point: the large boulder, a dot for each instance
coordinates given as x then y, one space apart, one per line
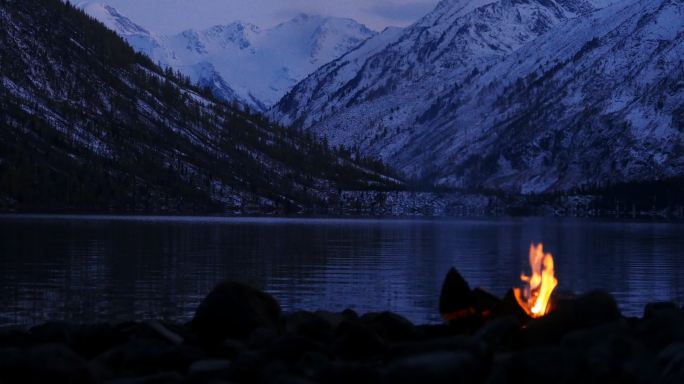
390 326
87 340
544 364
47 363
669 365
661 328
436 367
145 356
310 325
456 296
235 310
586 311
356 341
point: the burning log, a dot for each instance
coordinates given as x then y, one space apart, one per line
458 302
511 307
456 299
535 298
485 303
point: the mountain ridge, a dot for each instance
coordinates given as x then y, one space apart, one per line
432 101
251 65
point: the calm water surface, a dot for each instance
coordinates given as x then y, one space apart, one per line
118 268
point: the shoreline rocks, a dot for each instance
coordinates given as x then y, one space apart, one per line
239 335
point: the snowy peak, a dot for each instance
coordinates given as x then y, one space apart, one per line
321 39
236 34
435 55
240 60
137 36
113 20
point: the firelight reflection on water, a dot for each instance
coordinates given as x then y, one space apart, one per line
90 269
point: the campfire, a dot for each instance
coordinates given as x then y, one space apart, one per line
536 296
458 303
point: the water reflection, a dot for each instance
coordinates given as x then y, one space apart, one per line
115 268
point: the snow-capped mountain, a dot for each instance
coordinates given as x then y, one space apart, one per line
529 96
456 41
241 61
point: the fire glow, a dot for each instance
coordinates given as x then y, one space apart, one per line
535 297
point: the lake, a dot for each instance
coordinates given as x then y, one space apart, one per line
100 268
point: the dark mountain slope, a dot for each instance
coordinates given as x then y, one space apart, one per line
87 124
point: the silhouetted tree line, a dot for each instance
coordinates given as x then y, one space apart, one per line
662 198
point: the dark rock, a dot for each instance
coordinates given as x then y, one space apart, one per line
547 364
391 326
356 341
86 340
509 307
350 314
588 310
47 363
164 332
609 350
334 319
484 302
278 372
247 367
436 368
585 338
456 295
229 349
670 365
499 368
209 366
502 330
261 338
288 378
310 325
346 373
451 328
157 378
14 337
291 348
561 296
653 308
54 332
459 344
234 310
312 363
595 308
662 328
146 356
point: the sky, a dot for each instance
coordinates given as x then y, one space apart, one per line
171 16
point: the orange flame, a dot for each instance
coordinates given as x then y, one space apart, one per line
537 294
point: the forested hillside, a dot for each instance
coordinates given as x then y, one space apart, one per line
87 124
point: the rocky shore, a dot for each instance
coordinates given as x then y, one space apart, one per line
239 335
